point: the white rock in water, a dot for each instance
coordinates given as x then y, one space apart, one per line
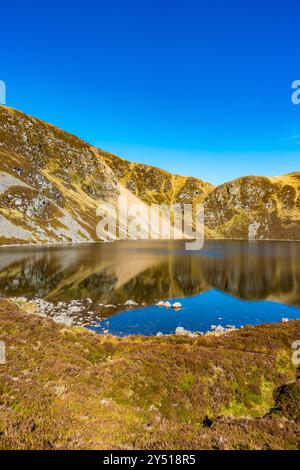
213 327
284 320
159 333
177 305
162 303
231 327
130 302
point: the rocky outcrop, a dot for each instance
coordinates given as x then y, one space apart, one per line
51 184
256 208
154 185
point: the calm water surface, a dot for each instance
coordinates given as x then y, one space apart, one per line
228 282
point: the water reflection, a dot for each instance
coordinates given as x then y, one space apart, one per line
147 271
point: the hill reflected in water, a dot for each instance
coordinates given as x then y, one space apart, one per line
147 271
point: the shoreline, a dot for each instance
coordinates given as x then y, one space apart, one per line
238 391
92 242
64 313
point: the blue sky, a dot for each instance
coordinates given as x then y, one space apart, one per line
199 88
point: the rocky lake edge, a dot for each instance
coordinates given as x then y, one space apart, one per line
86 313
68 387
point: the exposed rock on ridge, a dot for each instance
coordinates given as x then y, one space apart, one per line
52 182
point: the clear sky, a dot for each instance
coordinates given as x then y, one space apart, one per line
199 88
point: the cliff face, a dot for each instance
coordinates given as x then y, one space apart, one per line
52 182
154 185
255 207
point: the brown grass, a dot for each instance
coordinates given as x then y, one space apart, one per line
67 388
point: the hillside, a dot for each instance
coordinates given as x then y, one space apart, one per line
255 207
51 184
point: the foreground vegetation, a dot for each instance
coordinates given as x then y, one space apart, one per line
69 388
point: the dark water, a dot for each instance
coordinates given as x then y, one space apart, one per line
228 282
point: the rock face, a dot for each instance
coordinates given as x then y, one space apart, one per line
52 182
154 185
255 207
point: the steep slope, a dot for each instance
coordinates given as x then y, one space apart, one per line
255 207
154 185
51 184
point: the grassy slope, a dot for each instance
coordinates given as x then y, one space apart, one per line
66 172
69 388
154 185
78 176
74 178
270 204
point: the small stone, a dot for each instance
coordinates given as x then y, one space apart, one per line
177 305
104 402
152 408
180 331
130 303
162 303
74 309
219 329
60 390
